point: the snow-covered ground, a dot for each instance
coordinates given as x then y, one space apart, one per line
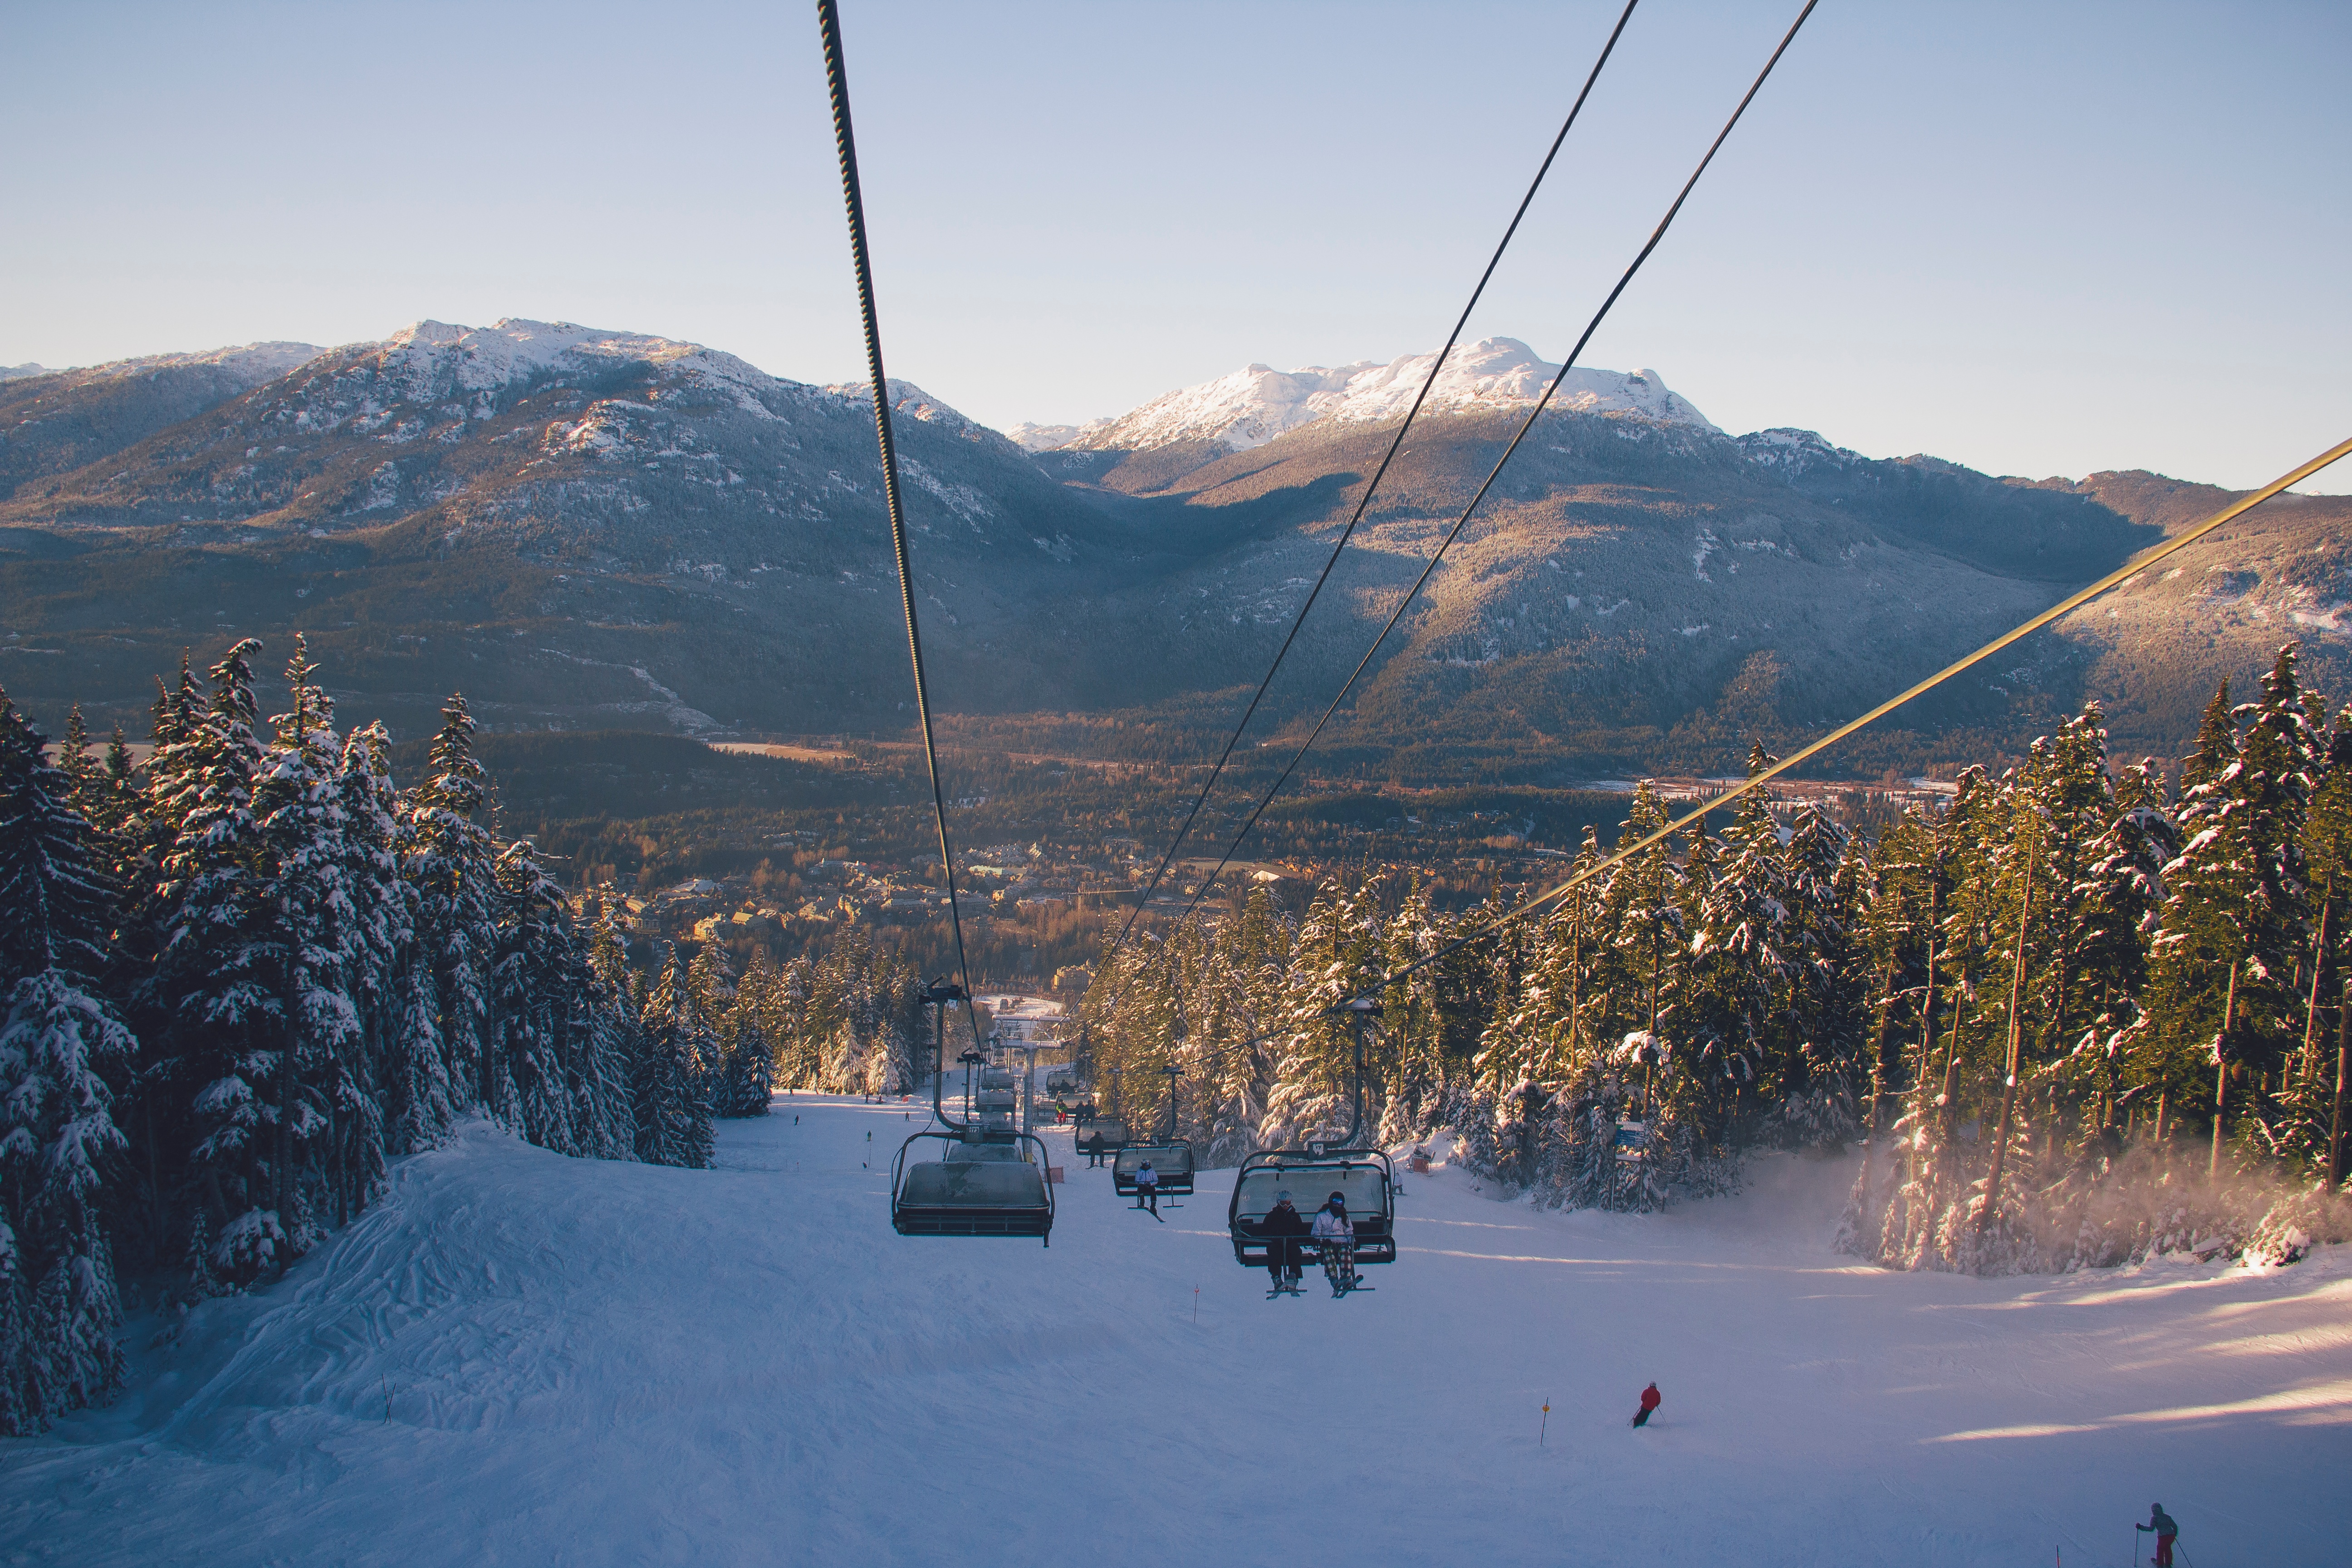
524 1359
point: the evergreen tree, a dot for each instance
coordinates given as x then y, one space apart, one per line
672 1099
58 1038
535 977
451 862
216 982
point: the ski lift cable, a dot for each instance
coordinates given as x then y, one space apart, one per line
836 74
1395 443
1525 425
2120 575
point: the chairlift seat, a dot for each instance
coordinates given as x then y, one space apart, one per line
1172 1162
1112 1133
1364 1175
975 1188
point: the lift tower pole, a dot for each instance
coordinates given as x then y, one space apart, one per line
1360 1010
936 996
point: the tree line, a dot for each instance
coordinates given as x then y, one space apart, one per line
2079 1012
237 979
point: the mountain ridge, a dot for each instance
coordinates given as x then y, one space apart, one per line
586 529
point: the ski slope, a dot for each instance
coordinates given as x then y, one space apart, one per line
524 1359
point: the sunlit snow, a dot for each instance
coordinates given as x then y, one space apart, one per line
521 1358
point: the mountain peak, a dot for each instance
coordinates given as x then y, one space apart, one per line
1258 402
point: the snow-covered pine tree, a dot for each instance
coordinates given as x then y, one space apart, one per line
535 973
216 981
309 952
2308 1118
784 1020
1736 1033
1825 1073
607 1110
1335 959
58 1039
451 862
672 1099
379 947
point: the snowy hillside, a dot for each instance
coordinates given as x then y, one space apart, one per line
250 363
522 1358
1254 405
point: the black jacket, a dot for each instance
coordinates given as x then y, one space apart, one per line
1280 1221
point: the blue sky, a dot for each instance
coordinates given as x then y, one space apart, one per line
2037 240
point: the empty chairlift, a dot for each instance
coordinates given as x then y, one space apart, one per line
970 1178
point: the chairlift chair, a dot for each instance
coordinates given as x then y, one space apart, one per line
1172 1162
1114 1135
977 1187
1312 1175
1364 1175
987 1181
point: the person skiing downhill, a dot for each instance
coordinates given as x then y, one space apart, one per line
1337 1236
1147 1189
2160 1524
1651 1400
1282 1228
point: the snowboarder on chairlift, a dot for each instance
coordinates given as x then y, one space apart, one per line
1282 1228
1651 1400
1147 1189
2160 1524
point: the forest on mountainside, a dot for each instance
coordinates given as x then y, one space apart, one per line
2076 1018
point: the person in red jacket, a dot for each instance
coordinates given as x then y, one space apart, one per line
1650 1399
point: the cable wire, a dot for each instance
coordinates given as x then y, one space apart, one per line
837 73
1526 425
1395 443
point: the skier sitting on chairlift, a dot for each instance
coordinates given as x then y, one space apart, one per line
1336 1234
1283 1227
1147 1189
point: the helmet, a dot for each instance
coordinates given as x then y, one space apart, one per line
1339 1199
1283 1197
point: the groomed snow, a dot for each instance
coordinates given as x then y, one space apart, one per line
521 1357
1254 405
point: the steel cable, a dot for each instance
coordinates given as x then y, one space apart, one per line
836 74
1526 425
1395 443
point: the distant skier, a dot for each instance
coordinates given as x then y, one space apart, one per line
1147 1189
2160 1524
1095 1151
1282 1228
1651 1400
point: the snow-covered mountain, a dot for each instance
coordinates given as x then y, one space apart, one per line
1256 403
253 362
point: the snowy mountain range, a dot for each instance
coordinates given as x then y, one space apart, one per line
585 528
1256 403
